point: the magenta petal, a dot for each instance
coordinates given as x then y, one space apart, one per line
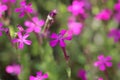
28 30
108 58
28 42
102 67
41 22
25 36
62 43
4 7
101 57
96 63
19 34
45 76
53 43
37 29
21 45
21 14
62 32
39 73
17 9
27 23
15 40
9 69
108 64
35 19
31 78
54 36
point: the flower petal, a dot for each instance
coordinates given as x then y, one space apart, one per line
108 64
102 67
21 45
45 76
62 43
54 36
31 78
53 43
28 42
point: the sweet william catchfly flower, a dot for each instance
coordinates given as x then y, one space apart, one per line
34 25
60 38
105 15
39 76
82 74
14 69
24 9
103 62
21 40
76 8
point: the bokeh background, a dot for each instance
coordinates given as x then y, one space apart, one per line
83 49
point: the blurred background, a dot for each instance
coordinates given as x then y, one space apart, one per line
83 49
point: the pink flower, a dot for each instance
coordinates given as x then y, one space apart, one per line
115 34
22 40
35 25
39 76
76 7
3 8
100 78
82 74
103 62
60 38
13 69
105 14
75 27
24 8
8 1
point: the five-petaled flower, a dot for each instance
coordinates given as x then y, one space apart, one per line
39 76
115 34
3 8
76 8
103 62
22 40
34 25
24 8
13 69
105 15
60 38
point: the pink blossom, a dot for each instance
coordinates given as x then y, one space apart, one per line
76 7
39 76
13 69
103 62
8 1
105 14
22 40
115 34
75 27
100 78
24 8
60 38
3 8
82 74
34 25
